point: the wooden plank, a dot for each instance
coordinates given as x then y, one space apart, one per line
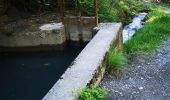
61 5
96 9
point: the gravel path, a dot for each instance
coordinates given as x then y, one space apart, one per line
146 78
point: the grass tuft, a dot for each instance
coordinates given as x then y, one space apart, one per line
116 60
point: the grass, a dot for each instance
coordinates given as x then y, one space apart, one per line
116 60
151 35
91 93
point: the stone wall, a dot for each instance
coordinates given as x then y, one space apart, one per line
75 29
31 39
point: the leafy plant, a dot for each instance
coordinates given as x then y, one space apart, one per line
91 93
116 60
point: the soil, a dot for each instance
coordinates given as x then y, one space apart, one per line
147 77
25 22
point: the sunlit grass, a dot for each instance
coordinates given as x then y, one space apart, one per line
151 35
116 59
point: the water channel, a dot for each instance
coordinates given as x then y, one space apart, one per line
30 75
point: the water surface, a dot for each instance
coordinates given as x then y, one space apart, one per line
29 76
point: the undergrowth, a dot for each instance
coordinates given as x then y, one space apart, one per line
114 10
91 93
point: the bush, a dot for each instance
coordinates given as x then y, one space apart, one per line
93 94
116 60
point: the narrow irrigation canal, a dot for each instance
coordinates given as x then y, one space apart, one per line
29 76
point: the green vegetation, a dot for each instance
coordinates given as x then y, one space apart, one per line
109 10
89 93
116 59
114 10
151 35
126 9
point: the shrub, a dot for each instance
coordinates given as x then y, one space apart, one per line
116 60
93 94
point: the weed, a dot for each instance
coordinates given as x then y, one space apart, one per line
91 93
116 60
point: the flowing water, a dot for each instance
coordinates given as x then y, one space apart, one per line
136 24
29 76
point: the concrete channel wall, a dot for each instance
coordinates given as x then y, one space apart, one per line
75 29
89 67
79 28
47 36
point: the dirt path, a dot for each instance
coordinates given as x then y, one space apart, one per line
146 78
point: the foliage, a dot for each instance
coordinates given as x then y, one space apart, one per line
109 10
151 35
127 8
106 12
113 10
116 60
93 94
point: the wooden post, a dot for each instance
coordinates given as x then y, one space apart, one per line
96 11
61 5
